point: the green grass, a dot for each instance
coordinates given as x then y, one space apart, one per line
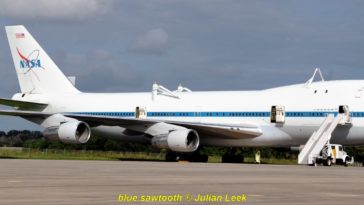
56 154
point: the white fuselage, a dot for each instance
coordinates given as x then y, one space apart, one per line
299 109
305 110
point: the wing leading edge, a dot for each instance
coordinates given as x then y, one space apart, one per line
225 131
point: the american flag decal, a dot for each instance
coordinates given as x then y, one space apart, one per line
19 35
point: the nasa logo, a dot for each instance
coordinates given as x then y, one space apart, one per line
30 64
31 61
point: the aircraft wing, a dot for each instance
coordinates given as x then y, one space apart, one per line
227 131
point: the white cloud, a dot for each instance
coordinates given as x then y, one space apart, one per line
154 41
49 9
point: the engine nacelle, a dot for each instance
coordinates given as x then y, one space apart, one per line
183 140
74 132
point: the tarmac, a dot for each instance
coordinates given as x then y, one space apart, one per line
107 182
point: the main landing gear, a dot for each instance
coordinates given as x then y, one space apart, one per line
232 157
191 157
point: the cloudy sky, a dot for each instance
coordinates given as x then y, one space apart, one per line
126 45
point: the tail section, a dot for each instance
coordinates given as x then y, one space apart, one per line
36 71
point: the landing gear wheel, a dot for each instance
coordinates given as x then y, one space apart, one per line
198 158
191 157
172 157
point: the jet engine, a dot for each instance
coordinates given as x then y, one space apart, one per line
182 140
74 132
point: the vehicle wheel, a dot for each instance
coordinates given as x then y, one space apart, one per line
328 162
347 161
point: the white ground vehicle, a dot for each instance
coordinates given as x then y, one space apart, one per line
333 154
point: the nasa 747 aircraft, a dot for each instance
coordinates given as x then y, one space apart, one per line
311 114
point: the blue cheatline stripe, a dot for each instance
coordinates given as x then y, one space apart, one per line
121 114
215 114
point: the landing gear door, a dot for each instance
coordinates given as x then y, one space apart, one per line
277 114
140 112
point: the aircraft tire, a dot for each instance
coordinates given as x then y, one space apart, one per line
171 157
